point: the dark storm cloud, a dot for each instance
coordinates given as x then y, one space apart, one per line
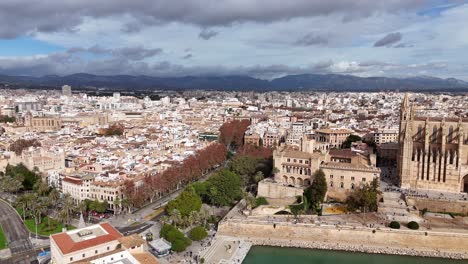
20 17
311 39
136 53
206 34
389 39
188 56
130 53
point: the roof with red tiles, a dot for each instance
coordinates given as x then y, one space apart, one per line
67 245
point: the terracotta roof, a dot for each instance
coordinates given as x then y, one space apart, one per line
131 241
67 245
72 180
145 258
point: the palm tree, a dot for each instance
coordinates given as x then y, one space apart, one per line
193 218
175 216
68 206
41 187
23 201
54 196
40 208
117 205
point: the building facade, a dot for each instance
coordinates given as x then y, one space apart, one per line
433 152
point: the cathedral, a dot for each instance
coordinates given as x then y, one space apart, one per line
433 152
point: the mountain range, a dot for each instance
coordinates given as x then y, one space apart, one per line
317 82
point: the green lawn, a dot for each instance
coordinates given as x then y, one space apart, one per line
2 239
43 229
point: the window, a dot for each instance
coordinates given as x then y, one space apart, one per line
352 178
108 248
363 179
331 184
71 258
331 176
341 185
95 251
83 255
289 160
295 160
352 186
300 161
342 177
306 162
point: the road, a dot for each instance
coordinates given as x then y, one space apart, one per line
17 236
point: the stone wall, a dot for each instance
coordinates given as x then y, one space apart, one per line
277 190
460 207
400 241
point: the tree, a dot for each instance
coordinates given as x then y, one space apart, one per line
19 145
41 187
68 206
9 184
232 133
394 225
198 233
24 202
364 198
178 240
54 197
315 193
117 203
224 188
185 203
349 140
413 225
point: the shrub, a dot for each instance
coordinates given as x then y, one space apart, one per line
198 233
260 201
394 225
413 225
178 240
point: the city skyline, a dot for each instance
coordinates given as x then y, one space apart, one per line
255 38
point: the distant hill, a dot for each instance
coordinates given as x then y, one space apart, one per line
318 82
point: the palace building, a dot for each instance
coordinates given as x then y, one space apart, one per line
433 152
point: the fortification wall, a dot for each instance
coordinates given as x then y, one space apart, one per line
390 241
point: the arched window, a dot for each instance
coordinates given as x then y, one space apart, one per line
352 186
341 185
434 134
331 184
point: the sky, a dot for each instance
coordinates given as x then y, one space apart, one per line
260 38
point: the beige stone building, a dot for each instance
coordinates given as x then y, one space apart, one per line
383 136
334 137
42 123
344 169
252 139
433 152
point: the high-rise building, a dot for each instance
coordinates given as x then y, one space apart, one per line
433 151
66 90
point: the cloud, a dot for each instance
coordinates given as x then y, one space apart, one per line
389 39
206 34
403 45
63 63
188 56
32 16
131 53
136 53
311 39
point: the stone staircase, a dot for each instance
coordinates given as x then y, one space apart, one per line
394 208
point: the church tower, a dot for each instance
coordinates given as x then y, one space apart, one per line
405 142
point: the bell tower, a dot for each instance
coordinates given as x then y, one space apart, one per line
405 142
